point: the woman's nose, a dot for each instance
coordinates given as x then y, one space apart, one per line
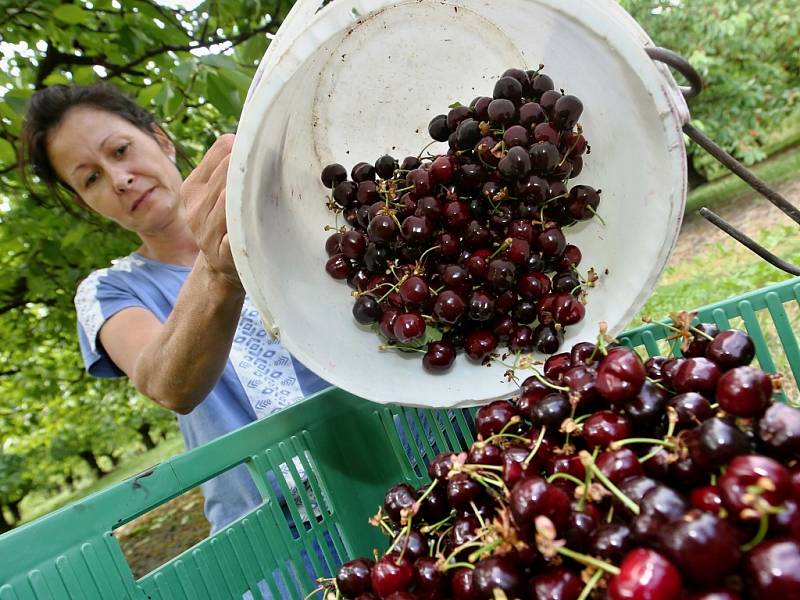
123 182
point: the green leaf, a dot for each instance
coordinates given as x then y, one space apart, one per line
7 153
222 96
84 75
56 78
146 96
455 105
71 14
219 60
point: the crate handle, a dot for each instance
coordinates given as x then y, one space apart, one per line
683 66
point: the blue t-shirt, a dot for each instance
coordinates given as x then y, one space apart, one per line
259 379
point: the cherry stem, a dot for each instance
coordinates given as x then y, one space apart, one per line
438 525
702 333
588 463
588 560
587 480
672 420
597 215
566 476
402 348
475 556
506 243
470 544
763 526
641 440
426 252
591 584
536 447
425 148
509 436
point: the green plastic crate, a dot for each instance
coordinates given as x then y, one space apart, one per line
351 452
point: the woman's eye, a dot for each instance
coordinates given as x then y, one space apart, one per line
121 150
91 179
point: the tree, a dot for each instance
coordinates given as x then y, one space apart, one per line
748 53
192 69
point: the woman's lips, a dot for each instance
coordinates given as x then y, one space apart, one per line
142 198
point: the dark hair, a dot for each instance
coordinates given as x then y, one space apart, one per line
45 111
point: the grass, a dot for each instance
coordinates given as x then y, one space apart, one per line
774 170
35 505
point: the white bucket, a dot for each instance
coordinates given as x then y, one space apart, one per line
362 78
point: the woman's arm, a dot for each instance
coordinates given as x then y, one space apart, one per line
178 363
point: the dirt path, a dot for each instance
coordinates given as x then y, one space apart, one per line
748 212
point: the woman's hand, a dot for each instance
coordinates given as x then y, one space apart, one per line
203 195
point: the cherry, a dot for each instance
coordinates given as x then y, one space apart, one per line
570 259
449 306
532 496
462 489
463 586
645 575
566 309
566 463
414 290
546 132
604 427
544 156
717 594
660 506
382 229
501 275
353 577
620 375
480 344
502 328
582 353
716 443
339 266
548 102
706 498
749 481
582 202
416 230
516 164
412 545
409 327
556 364
574 142
362 172
696 375
468 134
731 348
456 115
550 411
744 391
497 573
566 282
692 409
402 595
668 369
533 286
773 570
646 409
610 541
779 429
333 245
481 108
409 163
580 525
618 465
540 83
397 498
699 343
531 114
440 466
391 574
581 381
431 208
366 310
333 175
704 547
480 306
493 417
439 356
485 454
367 193
516 135
430 583
566 111
456 215
547 338
501 111
387 321
359 280
653 366
557 583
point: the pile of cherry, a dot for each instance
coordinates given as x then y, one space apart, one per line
467 249
607 477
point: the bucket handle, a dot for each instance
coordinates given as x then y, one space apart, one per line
684 67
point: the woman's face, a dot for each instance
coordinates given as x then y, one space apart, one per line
118 170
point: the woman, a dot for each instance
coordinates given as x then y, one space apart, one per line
172 316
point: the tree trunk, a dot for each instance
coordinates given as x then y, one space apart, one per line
144 434
91 460
14 508
4 524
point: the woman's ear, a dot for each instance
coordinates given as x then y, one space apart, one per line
163 140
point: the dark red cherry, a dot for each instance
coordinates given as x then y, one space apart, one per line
620 375
731 348
439 356
744 391
391 574
646 575
779 430
773 570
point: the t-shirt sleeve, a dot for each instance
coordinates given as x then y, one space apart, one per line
99 297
